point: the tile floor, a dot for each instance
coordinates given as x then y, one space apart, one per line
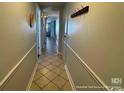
50 74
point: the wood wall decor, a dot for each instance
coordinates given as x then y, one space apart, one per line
80 12
31 19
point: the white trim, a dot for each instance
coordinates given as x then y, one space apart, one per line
59 53
70 78
91 72
11 72
32 77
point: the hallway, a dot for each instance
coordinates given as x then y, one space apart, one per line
88 54
50 75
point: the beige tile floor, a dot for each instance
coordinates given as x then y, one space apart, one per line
50 74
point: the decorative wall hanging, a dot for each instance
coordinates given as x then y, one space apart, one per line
31 19
80 12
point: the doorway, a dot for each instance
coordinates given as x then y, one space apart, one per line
49 35
38 28
50 29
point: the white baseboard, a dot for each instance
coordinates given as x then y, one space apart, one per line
60 55
70 78
32 77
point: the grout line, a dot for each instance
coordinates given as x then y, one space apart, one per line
51 63
46 84
46 66
50 81
39 77
44 74
56 72
56 85
38 85
63 84
47 73
52 70
64 78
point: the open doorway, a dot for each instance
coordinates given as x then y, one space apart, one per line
50 31
38 28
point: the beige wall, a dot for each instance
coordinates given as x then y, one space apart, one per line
16 39
97 38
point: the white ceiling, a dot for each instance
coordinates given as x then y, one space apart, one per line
51 9
51 4
51 12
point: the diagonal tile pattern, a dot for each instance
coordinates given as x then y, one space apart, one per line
50 74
